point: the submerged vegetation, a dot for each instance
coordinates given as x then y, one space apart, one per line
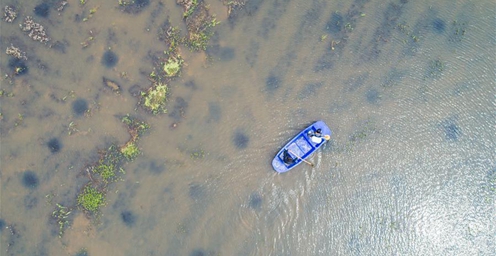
107 170
109 167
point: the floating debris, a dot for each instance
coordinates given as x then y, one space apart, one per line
16 52
9 14
111 84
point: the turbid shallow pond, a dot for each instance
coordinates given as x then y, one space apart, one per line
408 88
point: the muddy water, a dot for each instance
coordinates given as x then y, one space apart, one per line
408 89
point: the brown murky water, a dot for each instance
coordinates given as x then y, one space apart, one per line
408 88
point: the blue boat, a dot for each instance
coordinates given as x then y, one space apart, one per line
301 147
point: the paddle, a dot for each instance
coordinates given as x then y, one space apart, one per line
300 158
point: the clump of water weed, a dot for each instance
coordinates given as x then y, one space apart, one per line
135 126
155 98
91 199
199 23
61 215
109 164
130 150
173 66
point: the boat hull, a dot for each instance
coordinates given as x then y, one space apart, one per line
300 147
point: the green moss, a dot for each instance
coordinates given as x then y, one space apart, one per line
130 150
155 98
91 199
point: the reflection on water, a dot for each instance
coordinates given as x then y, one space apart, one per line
408 89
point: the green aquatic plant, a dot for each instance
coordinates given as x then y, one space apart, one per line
61 214
136 127
91 199
197 154
191 9
155 98
106 171
199 37
173 66
130 150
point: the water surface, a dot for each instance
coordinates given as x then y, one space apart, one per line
407 87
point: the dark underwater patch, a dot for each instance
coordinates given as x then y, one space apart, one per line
128 218
372 96
179 109
30 179
310 89
393 77
30 202
275 12
354 245
198 252
383 33
251 56
255 201
54 145
438 25
191 84
135 6
196 191
324 63
42 10
109 59
214 112
355 82
2 225
18 66
156 168
452 131
434 69
79 106
82 252
272 83
335 23
222 53
240 140
135 90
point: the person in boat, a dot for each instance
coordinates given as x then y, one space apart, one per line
316 136
286 157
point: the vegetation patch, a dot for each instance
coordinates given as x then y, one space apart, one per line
109 164
91 199
155 98
61 215
199 23
173 66
130 150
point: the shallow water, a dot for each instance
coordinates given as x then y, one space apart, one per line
408 88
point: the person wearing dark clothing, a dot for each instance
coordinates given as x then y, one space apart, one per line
287 158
